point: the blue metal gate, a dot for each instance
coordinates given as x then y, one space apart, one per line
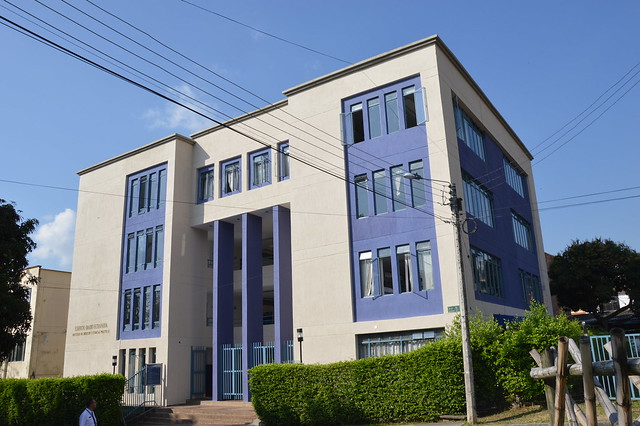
198 372
231 371
599 353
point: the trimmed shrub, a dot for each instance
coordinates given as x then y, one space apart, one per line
59 401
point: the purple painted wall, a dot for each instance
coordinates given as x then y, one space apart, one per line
499 241
283 306
394 228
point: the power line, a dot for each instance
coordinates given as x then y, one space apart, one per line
266 33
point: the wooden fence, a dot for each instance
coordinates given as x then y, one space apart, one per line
554 369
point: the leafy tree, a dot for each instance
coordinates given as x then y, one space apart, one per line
588 274
15 244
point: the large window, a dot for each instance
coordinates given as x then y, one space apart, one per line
283 161
383 111
398 188
147 192
487 273
385 276
478 200
141 308
380 191
531 287
380 344
156 306
230 178
126 316
515 179
425 266
362 196
17 354
145 249
521 231
260 168
468 131
405 279
366 275
205 184
418 191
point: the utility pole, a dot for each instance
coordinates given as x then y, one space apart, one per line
467 362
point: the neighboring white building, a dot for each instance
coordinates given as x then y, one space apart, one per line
195 252
42 353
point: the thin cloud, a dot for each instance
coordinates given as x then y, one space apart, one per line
55 241
175 118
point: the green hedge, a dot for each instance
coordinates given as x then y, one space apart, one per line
417 386
59 401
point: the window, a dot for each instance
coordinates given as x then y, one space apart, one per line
531 288
521 231
397 188
403 256
418 191
357 123
126 317
468 131
385 276
383 111
373 110
380 191
131 253
156 306
136 308
205 184
487 274
141 241
260 168
515 179
409 104
133 197
366 275
153 191
148 252
425 267
391 110
379 344
159 246
146 308
162 188
362 196
231 177
283 161
17 353
142 196
478 200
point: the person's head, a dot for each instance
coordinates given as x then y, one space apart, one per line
91 404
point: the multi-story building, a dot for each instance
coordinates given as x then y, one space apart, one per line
323 218
42 352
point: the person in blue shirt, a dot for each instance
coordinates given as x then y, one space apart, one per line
88 417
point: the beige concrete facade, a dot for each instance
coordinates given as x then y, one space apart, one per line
316 194
43 354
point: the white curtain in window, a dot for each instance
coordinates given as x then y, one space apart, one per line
260 169
232 177
366 274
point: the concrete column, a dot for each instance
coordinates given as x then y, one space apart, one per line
282 304
222 299
251 292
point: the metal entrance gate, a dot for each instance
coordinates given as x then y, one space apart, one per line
231 371
198 372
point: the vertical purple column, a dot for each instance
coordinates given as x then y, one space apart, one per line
251 293
282 302
222 299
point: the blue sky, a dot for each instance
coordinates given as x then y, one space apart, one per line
541 63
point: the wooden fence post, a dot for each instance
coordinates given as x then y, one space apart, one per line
561 381
587 381
623 391
549 385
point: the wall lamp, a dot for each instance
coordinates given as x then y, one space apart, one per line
300 339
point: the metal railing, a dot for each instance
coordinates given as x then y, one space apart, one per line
599 353
138 394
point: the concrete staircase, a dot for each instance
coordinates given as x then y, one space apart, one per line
213 413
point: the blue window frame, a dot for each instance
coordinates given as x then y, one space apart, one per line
487 273
398 190
418 186
521 231
147 192
205 184
159 252
425 265
478 200
405 274
260 168
230 177
362 196
156 306
284 171
367 282
137 294
515 179
468 131
380 191
385 275
383 111
126 317
531 287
